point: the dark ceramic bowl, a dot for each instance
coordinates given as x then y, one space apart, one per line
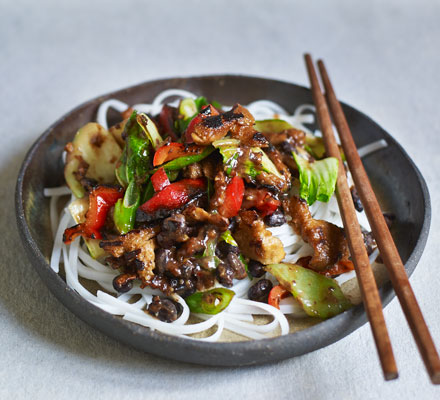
394 176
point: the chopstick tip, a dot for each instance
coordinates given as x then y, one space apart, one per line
435 378
389 376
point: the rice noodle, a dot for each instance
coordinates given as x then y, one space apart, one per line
118 105
57 191
372 147
238 316
54 215
57 245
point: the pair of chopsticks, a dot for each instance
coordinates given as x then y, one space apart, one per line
387 248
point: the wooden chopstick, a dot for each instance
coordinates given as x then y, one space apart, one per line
384 240
364 273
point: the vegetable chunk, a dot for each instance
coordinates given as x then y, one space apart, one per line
93 154
319 296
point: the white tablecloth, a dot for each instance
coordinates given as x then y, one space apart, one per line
384 60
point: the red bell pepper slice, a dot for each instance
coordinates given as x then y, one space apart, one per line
168 152
172 151
166 121
233 198
190 128
269 206
262 200
101 199
159 180
276 294
174 195
207 111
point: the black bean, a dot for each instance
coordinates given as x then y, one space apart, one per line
277 218
223 249
287 146
179 308
260 291
256 269
356 200
173 230
165 241
183 287
174 223
370 243
163 257
165 310
124 282
236 264
161 282
225 274
187 268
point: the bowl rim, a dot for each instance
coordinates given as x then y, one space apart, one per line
62 291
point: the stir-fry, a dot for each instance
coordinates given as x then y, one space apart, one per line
188 203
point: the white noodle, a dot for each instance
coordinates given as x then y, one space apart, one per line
54 215
91 262
57 191
345 277
171 328
93 275
250 333
185 313
374 255
290 305
57 248
103 108
238 316
372 147
161 97
241 287
140 303
215 336
108 287
265 109
277 314
125 296
257 328
73 258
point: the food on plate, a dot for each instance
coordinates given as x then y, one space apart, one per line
190 214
